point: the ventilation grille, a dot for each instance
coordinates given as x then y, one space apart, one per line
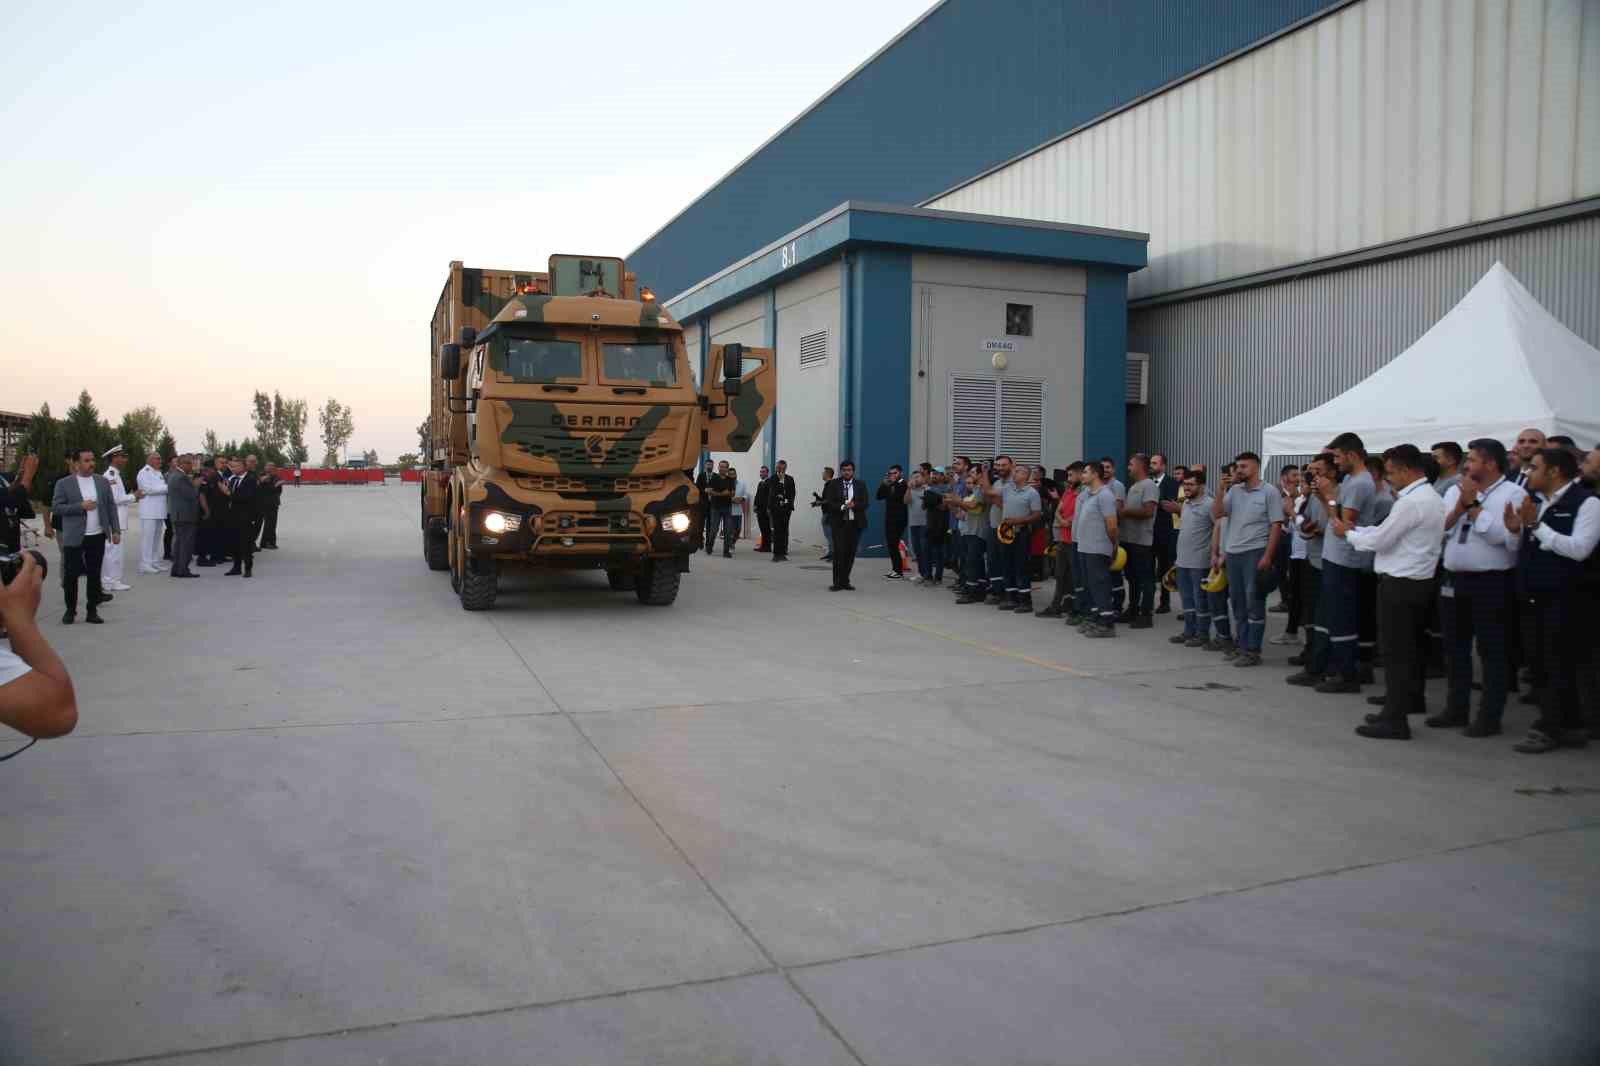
1138 379
972 417
814 349
1022 421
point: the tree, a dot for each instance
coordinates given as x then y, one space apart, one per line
45 438
146 425
83 427
407 459
338 426
167 447
425 436
289 420
261 415
371 457
212 445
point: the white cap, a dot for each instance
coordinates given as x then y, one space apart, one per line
115 449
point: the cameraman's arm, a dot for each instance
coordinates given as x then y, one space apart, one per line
39 703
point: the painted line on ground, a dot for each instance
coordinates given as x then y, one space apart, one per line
980 645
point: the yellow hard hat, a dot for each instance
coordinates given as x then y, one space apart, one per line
1169 580
1120 561
1216 581
1006 534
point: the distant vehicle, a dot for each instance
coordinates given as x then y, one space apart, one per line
566 428
355 464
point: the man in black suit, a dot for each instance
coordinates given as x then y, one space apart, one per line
763 508
780 507
896 516
240 489
845 502
1166 538
268 498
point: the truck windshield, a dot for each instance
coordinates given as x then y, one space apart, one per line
640 364
543 360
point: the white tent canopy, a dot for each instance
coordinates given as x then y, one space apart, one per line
1496 364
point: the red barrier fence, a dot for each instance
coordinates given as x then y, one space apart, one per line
319 475
411 475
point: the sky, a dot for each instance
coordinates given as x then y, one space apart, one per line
199 200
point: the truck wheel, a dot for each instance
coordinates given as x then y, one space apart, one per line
436 549
658 583
453 560
478 585
622 582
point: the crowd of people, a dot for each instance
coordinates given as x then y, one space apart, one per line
194 512
1421 562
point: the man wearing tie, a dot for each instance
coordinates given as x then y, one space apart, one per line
150 487
183 499
1166 537
1529 441
241 492
845 503
780 508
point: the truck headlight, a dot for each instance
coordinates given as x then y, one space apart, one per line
677 522
500 522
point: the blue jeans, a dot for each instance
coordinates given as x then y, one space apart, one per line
1080 583
1334 636
1219 613
919 548
716 518
827 533
1196 602
1248 597
1014 557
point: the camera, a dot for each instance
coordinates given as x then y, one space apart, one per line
11 564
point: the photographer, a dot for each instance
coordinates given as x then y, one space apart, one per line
827 527
36 695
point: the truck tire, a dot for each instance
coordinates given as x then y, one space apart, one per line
478 586
622 582
658 583
436 548
453 560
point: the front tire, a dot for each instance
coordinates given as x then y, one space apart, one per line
479 584
658 583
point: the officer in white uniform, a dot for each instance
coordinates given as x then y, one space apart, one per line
111 569
151 489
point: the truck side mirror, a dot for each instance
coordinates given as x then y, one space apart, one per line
732 369
469 336
449 361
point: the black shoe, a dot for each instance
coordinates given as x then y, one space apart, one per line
1301 659
1385 729
828 558
1305 679
1529 698
186 573
104 597
94 619
1338 686
233 573
1127 617
1142 621
849 587
68 618
247 572
835 588
1377 701
970 599
1051 611
204 562
1165 608
1365 675
1445 720
1480 729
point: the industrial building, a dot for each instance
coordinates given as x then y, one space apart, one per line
1071 227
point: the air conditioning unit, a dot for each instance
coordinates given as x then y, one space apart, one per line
1138 379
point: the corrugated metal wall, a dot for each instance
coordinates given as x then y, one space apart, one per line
975 83
1386 120
1225 367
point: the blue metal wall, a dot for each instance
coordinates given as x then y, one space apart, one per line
974 84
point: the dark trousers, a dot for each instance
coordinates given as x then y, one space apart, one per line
1292 592
716 518
166 540
255 527
1333 638
936 539
1473 607
269 528
243 548
1097 580
1063 575
182 547
86 559
893 535
1558 633
1165 550
1366 616
1310 587
1403 608
764 523
845 537
1140 572
1014 560
974 552
997 568
780 532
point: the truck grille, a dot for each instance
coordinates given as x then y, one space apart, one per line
572 486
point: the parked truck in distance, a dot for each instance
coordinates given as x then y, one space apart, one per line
566 428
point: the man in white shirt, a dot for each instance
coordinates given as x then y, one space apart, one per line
1406 550
1557 560
111 566
1480 555
738 519
150 488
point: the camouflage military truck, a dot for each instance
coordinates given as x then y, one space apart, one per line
567 428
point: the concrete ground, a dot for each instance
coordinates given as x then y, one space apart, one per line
326 816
